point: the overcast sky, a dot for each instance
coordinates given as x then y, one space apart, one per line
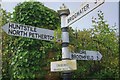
109 8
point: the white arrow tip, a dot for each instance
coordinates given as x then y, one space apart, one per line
5 27
99 56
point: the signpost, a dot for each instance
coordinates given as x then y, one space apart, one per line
66 65
82 11
86 55
28 31
66 20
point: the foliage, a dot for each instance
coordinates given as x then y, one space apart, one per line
28 58
25 58
105 37
100 38
36 14
4 18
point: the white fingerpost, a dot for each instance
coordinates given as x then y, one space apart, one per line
64 12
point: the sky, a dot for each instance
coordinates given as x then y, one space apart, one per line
110 9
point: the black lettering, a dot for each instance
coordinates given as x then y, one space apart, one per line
31 34
51 37
40 36
92 57
68 20
10 31
35 30
28 28
82 52
25 28
31 29
82 9
45 36
36 35
62 65
13 32
78 13
21 27
97 58
48 37
72 55
78 56
17 32
72 17
20 32
11 25
88 57
25 33
83 57
75 16
17 26
86 7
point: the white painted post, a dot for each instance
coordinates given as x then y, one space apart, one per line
64 12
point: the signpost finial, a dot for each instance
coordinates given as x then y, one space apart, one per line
63 6
63 10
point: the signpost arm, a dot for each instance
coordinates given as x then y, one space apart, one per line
64 12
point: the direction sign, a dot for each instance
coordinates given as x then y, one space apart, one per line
86 55
82 11
15 29
65 65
